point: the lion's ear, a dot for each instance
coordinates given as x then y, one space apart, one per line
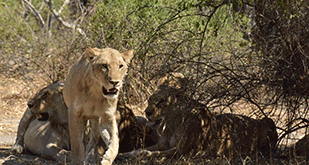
90 54
127 55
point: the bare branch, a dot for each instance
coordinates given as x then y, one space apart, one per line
36 13
66 24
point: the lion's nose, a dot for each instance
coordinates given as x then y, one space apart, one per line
30 105
114 82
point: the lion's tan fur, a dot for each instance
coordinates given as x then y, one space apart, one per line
187 127
91 92
50 138
235 135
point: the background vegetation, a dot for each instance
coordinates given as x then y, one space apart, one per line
241 56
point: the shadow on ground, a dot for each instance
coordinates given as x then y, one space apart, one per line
23 159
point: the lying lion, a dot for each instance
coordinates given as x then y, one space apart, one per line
187 127
237 135
43 129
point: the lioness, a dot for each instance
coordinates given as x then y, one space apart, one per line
43 129
91 92
187 127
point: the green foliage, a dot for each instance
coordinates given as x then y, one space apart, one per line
11 24
151 26
26 45
200 39
183 36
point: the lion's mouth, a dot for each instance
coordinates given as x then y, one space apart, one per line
112 91
42 116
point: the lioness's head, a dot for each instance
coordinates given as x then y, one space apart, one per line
109 67
48 102
163 101
169 99
164 98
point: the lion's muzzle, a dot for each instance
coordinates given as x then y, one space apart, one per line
112 91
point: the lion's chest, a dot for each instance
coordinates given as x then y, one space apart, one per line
98 108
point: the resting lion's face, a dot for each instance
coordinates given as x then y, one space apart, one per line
47 101
109 68
156 103
165 101
168 99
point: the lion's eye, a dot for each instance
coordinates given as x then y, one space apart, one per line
45 94
104 66
120 66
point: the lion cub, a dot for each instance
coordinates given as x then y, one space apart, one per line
91 92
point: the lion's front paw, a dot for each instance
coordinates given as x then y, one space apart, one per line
146 153
17 148
133 154
106 162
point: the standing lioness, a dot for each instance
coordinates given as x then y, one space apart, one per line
91 92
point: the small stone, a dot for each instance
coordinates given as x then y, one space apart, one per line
11 62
